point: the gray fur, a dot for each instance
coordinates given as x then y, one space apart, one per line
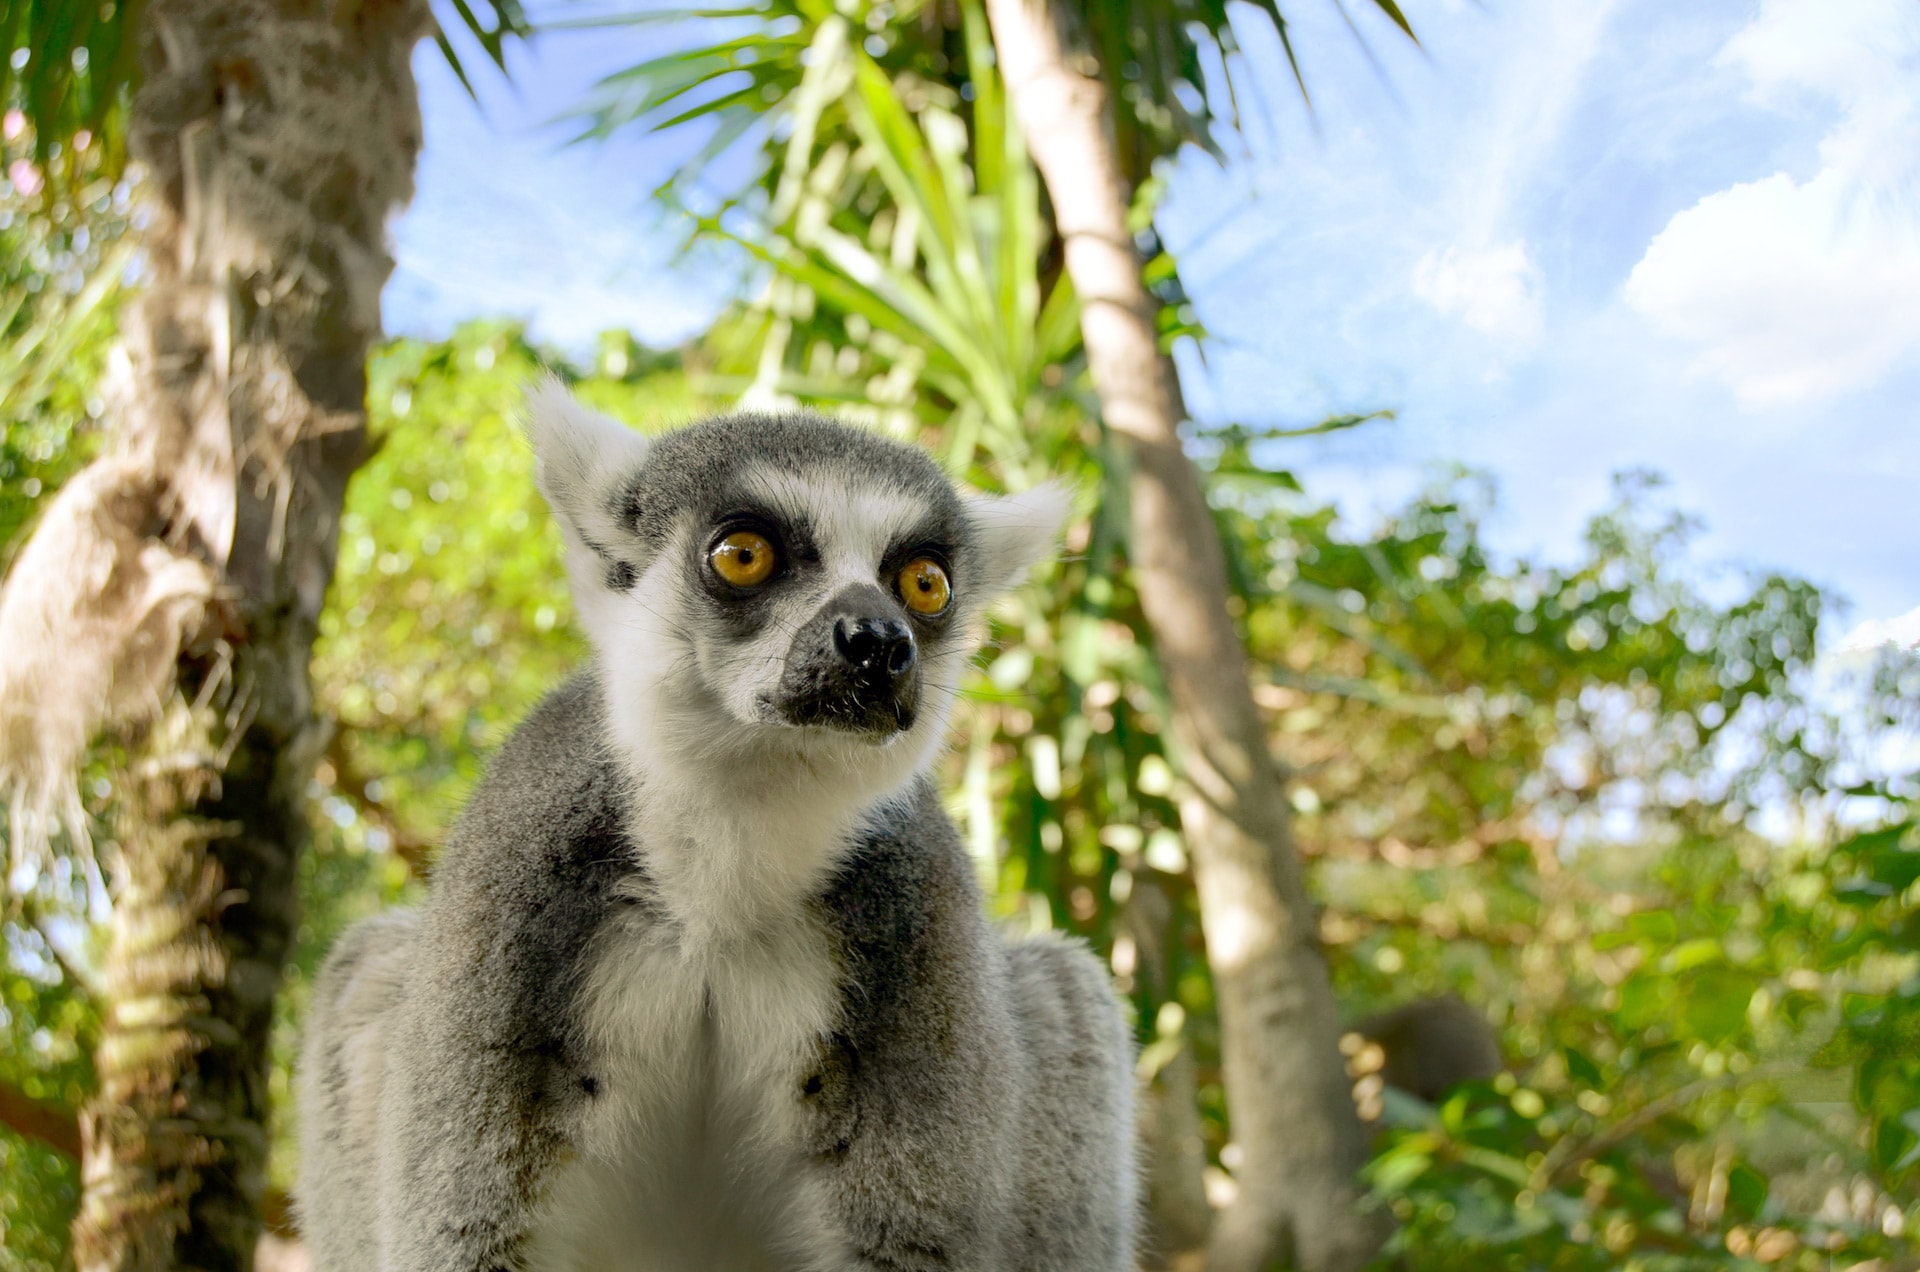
696 987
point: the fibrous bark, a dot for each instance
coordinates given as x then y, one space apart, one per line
174 588
1288 1096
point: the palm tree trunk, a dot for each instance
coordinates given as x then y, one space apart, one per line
1288 1096
277 136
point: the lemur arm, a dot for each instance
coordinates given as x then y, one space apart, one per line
487 1088
920 1092
472 1133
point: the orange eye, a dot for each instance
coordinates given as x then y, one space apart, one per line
924 587
743 558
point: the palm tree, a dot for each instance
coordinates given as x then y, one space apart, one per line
1287 1089
171 590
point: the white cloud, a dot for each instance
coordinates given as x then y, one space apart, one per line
1837 46
1794 290
1495 290
1876 633
509 222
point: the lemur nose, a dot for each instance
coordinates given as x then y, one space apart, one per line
872 645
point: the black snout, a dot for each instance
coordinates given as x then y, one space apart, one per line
875 647
854 666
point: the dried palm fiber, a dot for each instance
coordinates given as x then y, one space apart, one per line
135 557
92 617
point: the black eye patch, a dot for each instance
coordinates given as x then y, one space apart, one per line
620 577
939 537
741 612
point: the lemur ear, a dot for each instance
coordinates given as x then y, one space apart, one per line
580 458
1016 532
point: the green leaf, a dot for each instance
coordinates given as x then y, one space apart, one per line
1581 1068
1656 928
1713 1002
1868 843
1695 953
1644 1000
1500 1165
78 76
1895 1146
1392 10
1057 331
452 56
1893 865
655 17
507 20
1863 893
1397 1171
1746 1192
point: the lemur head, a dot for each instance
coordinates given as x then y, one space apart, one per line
777 588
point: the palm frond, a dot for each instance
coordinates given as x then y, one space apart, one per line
502 20
752 73
490 23
70 68
1150 52
38 346
910 244
67 67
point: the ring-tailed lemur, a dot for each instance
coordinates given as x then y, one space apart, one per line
703 980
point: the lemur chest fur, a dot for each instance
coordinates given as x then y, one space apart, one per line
700 1038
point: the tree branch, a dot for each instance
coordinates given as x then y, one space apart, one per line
412 848
1569 1154
58 1127
44 1122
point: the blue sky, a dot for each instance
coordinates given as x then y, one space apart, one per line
1560 238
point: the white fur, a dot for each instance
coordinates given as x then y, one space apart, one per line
577 455
692 1159
1017 531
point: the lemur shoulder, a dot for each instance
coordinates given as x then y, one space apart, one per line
703 979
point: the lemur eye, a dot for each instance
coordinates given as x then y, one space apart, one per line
743 558
924 587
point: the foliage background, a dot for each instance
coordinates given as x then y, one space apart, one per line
1709 1031
1623 817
